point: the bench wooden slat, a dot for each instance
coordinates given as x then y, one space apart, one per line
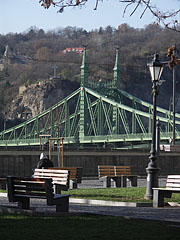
172 189
173 185
171 180
173 176
123 170
49 170
30 194
54 175
109 173
33 183
119 174
60 177
75 173
106 171
33 196
59 182
167 189
22 189
29 188
114 170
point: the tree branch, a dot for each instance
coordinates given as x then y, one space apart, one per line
161 17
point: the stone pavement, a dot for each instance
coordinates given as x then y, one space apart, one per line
39 206
95 183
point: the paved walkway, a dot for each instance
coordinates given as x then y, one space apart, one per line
165 213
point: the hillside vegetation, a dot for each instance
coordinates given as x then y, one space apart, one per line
31 55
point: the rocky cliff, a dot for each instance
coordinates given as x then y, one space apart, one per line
36 98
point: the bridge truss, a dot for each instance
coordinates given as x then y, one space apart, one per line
97 114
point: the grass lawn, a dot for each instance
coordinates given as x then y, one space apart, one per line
111 194
90 227
129 194
85 228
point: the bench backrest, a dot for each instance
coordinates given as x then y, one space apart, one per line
123 170
106 171
19 187
58 176
113 170
173 181
75 172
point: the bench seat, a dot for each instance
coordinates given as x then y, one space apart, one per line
21 190
172 186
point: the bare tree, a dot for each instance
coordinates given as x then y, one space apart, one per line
168 18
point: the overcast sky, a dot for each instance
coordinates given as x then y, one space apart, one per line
19 15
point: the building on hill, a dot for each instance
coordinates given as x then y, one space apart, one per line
75 50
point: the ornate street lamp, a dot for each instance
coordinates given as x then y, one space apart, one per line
156 68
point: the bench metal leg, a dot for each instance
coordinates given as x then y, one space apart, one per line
63 206
133 181
24 204
117 181
106 181
80 171
57 189
123 181
3 184
158 197
72 184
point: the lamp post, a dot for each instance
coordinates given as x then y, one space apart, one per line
156 68
174 96
174 109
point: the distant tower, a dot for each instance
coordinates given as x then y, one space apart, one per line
7 56
116 75
6 51
55 67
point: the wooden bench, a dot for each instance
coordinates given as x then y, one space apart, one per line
172 186
21 189
60 178
75 175
119 174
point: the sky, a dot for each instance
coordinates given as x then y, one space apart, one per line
17 16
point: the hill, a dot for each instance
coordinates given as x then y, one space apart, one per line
29 59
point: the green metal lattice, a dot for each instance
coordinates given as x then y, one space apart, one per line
88 116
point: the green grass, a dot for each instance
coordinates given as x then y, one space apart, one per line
135 194
90 227
111 194
84 228
3 191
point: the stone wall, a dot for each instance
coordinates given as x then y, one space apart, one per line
21 163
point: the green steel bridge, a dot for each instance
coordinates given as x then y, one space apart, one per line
95 114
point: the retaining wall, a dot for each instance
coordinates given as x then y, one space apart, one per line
21 163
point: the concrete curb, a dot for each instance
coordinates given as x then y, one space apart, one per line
101 202
108 203
3 194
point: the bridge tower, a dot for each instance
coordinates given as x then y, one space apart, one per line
116 85
116 70
83 122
